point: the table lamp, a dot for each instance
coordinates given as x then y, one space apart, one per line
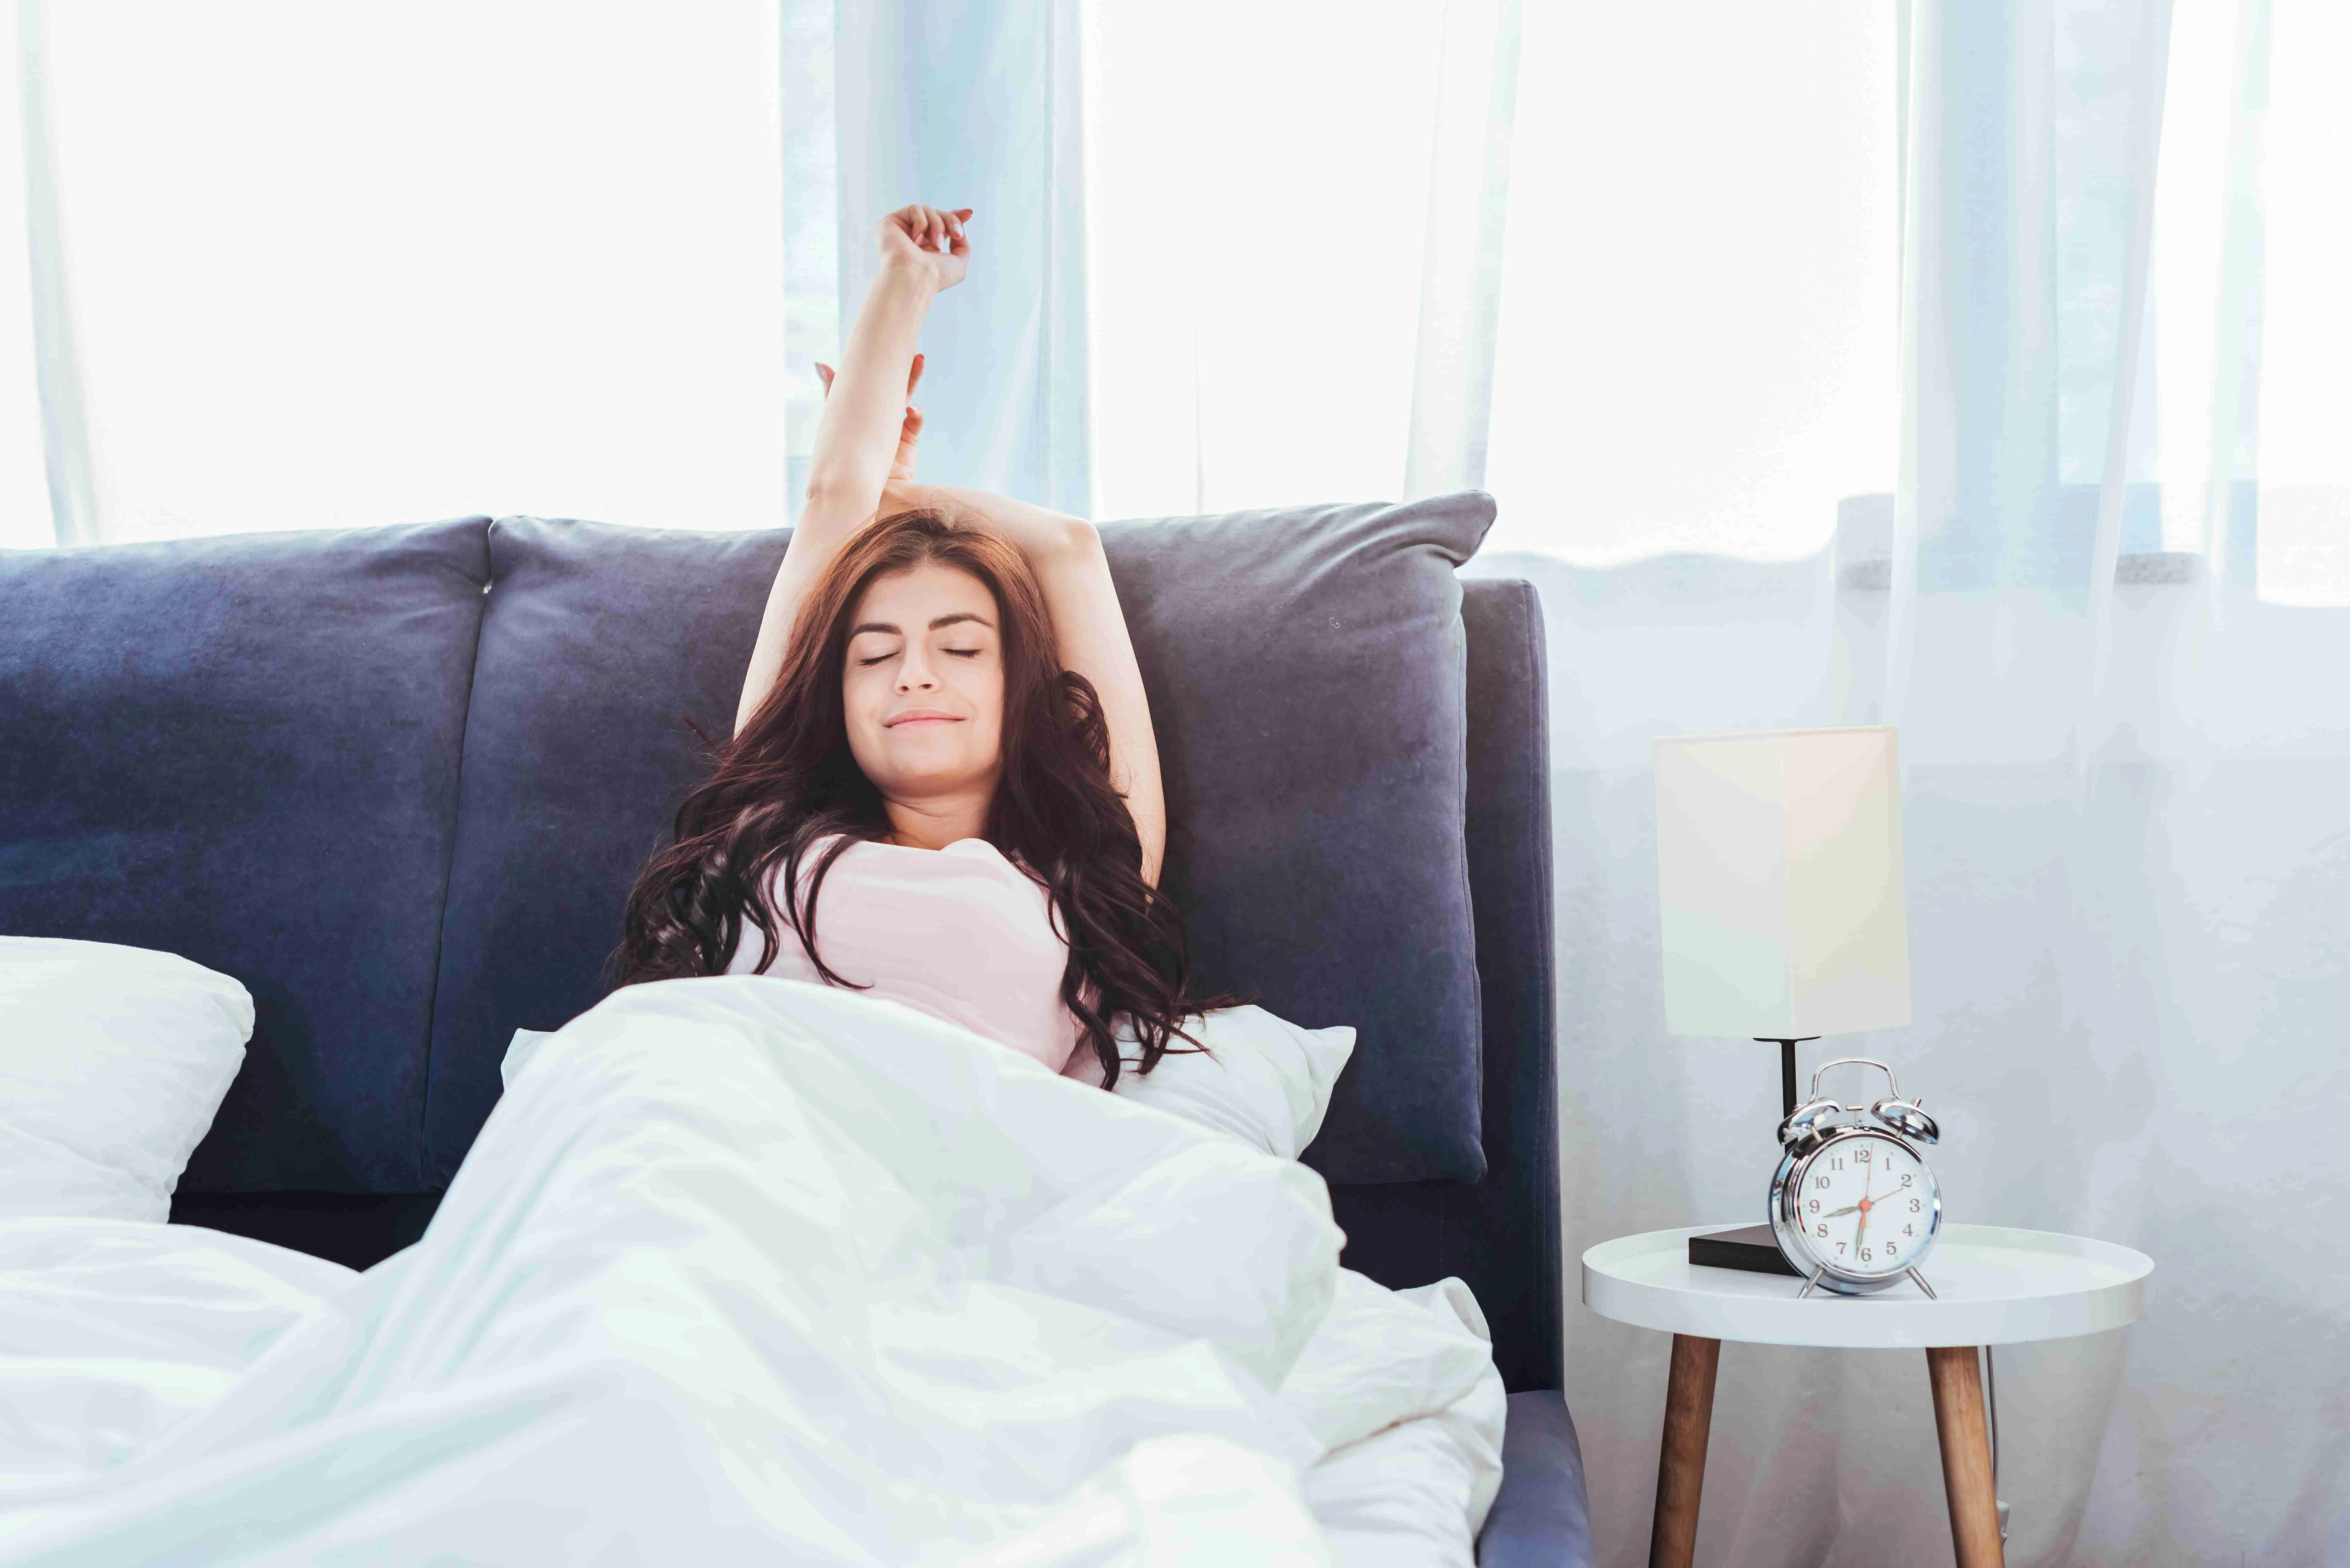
1779 880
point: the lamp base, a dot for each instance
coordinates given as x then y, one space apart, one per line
1753 1247
1750 1247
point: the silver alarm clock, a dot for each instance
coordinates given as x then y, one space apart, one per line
1854 1205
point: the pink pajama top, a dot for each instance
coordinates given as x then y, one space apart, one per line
961 933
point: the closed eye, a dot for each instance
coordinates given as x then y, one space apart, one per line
958 652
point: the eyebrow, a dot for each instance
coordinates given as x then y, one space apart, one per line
942 620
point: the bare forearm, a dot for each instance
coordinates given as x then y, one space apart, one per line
865 409
1071 568
1041 534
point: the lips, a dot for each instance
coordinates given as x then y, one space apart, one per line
918 716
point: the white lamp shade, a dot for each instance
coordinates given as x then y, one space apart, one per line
1779 872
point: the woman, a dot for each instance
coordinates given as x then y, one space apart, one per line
943 733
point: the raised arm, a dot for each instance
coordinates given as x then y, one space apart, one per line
922 251
1066 553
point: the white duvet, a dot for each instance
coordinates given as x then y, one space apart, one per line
746 1271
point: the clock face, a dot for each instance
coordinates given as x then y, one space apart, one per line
1865 1206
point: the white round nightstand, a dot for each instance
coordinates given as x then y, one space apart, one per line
1992 1286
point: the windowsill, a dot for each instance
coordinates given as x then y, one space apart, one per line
2146 569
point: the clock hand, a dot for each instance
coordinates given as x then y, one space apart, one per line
1867 1181
1840 1213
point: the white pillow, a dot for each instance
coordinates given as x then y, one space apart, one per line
1266 1081
113 1062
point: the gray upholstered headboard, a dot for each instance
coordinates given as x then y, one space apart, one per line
397 780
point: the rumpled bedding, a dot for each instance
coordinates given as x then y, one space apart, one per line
743 1270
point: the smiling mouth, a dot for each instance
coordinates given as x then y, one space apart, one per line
924 719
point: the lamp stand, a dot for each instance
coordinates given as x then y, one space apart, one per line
1753 1247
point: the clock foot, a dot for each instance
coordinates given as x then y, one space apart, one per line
1817 1275
1923 1285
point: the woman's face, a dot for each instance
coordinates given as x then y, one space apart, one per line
923 684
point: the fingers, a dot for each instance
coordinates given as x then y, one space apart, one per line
824 373
913 379
932 228
914 222
902 466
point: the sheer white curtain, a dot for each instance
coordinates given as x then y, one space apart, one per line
1975 366
1153 204
893 101
25 518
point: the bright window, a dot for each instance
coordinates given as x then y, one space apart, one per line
1256 186
1699 299
338 264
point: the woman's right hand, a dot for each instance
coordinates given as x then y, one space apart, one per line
928 237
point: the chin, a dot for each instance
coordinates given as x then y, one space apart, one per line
918 774
930 759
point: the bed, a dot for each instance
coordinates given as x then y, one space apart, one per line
396 780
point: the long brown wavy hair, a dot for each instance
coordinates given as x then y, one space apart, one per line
788 779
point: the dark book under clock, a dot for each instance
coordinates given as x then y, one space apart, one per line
1751 1247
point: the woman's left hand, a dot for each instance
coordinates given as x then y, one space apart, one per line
902 467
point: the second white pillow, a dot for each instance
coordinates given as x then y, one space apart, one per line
1265 1080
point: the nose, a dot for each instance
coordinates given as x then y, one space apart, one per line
915 672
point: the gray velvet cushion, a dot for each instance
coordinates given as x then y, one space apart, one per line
1305 670
1307 673
600 647
245 751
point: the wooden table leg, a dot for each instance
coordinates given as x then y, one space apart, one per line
1681 1468
1957 1374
